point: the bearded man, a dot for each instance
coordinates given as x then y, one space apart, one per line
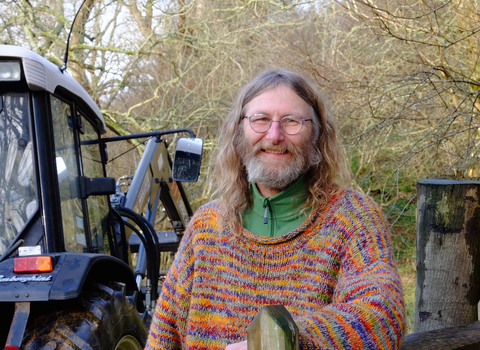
285 229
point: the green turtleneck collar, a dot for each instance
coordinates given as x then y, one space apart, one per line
277 215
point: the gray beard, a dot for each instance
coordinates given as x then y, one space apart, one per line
274 175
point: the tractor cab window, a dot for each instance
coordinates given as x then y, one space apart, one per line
67 172
97 206
18 193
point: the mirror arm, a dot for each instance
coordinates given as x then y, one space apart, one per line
138 136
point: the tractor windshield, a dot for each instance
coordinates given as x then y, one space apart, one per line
17 183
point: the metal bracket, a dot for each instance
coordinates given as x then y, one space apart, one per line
19 323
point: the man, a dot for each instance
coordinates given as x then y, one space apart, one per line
284 230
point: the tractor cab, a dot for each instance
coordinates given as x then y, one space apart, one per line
67 232
45 119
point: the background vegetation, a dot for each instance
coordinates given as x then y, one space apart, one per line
402 77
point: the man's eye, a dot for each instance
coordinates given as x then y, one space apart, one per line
290 121
261 120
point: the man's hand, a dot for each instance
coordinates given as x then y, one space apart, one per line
237 346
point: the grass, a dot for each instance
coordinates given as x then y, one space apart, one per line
401 214
408 277
403 233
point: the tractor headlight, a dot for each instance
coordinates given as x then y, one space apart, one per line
9 71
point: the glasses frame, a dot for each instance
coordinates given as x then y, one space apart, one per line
276 121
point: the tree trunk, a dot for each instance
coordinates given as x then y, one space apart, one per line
448 262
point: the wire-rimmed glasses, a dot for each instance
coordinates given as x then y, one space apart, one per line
290 124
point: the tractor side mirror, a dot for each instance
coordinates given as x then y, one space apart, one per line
68 185
63 179
187 159
61 169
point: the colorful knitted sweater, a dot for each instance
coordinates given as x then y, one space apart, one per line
335 274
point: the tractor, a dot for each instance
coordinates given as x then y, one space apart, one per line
67 231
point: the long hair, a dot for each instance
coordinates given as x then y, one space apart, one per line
323 179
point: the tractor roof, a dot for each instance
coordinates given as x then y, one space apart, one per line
41 74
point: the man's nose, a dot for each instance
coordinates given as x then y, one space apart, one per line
275 134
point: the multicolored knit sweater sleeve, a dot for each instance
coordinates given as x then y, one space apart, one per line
335 274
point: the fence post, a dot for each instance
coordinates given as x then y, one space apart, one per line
448 255
273 329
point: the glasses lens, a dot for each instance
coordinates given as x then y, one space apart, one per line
291 124
259 122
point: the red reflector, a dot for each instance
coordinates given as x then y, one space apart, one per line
32 264
11 347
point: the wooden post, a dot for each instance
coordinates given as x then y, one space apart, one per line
448 259
273 329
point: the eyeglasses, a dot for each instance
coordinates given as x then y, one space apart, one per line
291 124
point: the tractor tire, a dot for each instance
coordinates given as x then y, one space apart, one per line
103 318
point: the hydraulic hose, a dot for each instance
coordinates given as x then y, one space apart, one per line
147 239
123 237
149 253
152 245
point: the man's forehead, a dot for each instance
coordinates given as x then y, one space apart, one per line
279 100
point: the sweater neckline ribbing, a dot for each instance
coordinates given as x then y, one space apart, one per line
295 237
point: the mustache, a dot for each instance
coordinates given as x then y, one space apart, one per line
282 148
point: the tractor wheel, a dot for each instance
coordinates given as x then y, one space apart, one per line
103 318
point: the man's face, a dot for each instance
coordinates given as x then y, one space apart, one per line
273 158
